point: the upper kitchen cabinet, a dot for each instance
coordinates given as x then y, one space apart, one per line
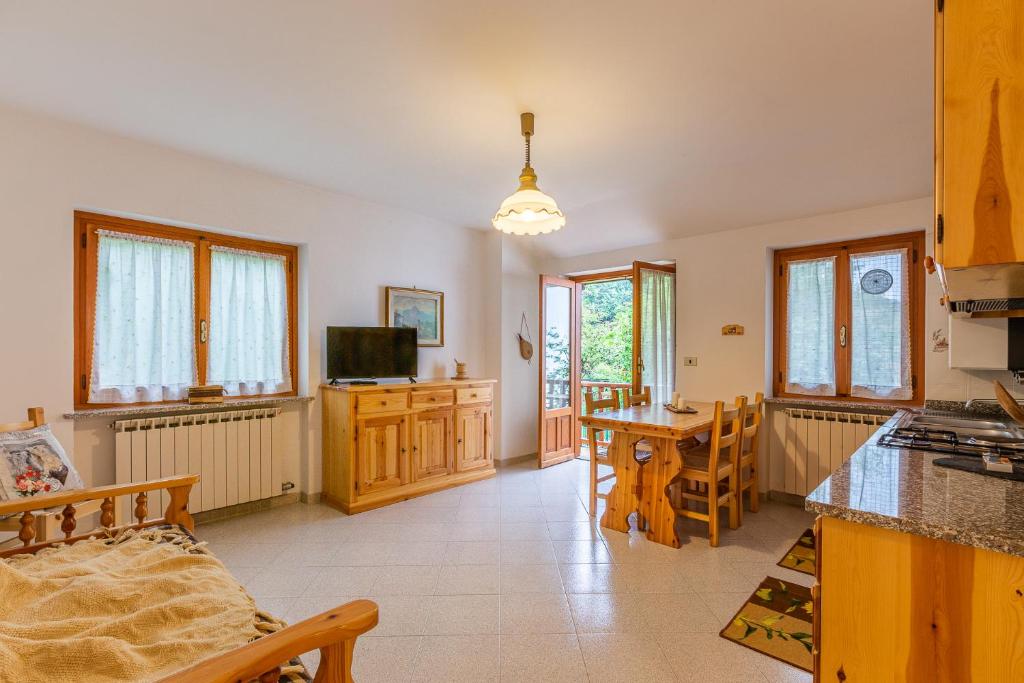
979 165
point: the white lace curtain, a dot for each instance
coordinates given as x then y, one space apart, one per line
880 325
143 343
248 335
810 327
657 332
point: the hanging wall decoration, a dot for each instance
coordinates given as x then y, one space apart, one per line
525 342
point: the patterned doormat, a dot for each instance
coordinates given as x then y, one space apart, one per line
776 621
802 556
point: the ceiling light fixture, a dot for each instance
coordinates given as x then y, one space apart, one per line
528 211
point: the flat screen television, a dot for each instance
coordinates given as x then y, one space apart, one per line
371 352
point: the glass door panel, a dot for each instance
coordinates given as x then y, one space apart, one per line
558 364
654 329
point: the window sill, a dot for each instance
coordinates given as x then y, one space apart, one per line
184 408
832 403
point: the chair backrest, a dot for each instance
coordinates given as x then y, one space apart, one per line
35 419
643 398
752 425
594 402
726 433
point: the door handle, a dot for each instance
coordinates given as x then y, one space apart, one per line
842 336
202 332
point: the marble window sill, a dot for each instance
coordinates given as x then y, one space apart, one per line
184 408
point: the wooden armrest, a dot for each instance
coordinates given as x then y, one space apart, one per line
334 633
72 496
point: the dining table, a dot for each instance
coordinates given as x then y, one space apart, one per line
642 487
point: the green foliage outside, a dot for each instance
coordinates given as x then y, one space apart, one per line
607 332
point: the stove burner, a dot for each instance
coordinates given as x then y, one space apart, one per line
944 441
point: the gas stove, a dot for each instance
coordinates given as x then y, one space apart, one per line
948 442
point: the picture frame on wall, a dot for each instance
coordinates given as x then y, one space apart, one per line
419 308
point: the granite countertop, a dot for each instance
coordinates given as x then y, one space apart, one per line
900 489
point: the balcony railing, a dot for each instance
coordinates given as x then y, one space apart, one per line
602 390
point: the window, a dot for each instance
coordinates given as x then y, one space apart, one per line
159 309
849 320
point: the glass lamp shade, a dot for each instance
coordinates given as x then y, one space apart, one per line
528 212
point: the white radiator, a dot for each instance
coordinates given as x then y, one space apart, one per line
237 454
807 445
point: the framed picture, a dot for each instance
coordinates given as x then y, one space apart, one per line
419 308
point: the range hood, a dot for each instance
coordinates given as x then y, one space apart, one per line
992 291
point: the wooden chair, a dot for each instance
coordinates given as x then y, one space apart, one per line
643 398
47 522
713 470
748 455
593 403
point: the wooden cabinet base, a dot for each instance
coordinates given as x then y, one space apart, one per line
900 607
415 490
387 443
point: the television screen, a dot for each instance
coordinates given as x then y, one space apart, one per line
369 352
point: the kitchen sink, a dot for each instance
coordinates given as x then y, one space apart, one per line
966 428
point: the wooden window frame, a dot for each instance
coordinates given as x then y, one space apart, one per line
914 243
86 247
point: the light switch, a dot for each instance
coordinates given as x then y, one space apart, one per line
690 361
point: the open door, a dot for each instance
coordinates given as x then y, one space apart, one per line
654 329
559 362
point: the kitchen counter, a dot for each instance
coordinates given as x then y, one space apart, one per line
901 490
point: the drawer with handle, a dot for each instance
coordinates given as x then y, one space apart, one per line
473 395
432 399
369 404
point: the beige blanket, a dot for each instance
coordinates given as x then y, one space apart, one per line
127 609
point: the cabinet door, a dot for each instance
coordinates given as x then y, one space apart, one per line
980 153
432 436
383 453
472 438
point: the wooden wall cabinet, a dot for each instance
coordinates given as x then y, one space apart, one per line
390 442
979 133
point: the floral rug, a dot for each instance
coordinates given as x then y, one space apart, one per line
802 556
776 621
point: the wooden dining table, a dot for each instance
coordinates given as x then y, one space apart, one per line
645 491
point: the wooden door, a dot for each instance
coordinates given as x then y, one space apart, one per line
558 369
473 438
432 444
383 460
654 334
980 132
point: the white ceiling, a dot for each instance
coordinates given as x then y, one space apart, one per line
655 119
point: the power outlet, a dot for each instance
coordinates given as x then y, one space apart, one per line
690 361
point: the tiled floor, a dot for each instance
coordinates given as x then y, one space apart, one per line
509 579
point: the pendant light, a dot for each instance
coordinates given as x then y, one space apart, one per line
528 211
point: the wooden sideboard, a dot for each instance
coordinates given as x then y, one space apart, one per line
390 442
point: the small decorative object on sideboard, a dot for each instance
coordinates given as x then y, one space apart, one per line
460 370
210 393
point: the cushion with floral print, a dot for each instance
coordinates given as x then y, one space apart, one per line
33 462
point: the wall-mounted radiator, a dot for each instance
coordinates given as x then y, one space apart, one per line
237 454
807 445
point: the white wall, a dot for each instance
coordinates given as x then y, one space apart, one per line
724 277
351 250
519 378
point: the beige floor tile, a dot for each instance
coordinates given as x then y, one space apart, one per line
549 658
524 531
306 607
656 578
625 658
535 613
278 582
534 515
457 659
417 552
466 514
401 615
468 579
780 672
461 614
574 531
471 552
707 658
581 552
362 554
388 660
677 613
594 578
343 581
606 613
725 605
406 580
530 578
473 531
527 552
